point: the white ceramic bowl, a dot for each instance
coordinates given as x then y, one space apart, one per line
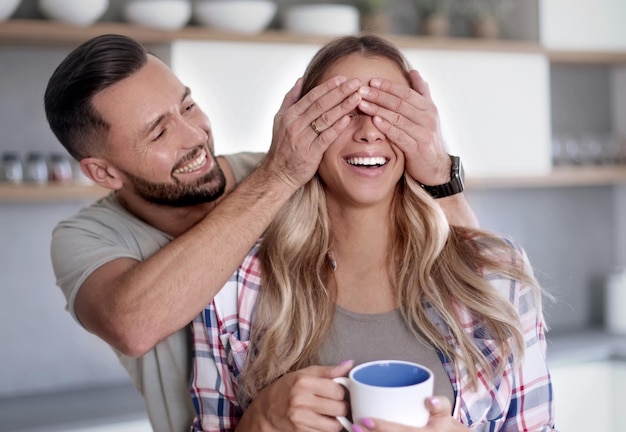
8 8
159 14
240 16
322 19
77 12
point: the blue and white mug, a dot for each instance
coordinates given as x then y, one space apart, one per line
392 390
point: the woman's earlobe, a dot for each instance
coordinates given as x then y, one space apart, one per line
101 173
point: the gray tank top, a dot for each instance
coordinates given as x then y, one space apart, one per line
368 337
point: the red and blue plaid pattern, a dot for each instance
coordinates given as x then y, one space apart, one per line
519 399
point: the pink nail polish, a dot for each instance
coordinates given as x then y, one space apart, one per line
367 422
434 401
356 428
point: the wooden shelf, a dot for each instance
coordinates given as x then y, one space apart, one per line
50 33
46 32
587 57
25 192
559 177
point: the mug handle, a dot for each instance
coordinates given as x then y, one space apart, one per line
346 383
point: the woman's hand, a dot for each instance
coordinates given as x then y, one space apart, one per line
410 119
303 401
440 420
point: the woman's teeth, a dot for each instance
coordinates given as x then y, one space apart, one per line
367 161
197 163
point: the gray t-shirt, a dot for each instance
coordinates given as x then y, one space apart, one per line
105 231
369 337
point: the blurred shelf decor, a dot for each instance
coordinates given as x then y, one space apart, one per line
575 160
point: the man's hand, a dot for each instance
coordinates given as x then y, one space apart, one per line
302 401
297 149
410 119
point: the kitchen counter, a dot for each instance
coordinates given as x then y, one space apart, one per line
87 409
111 408
588 370
584 346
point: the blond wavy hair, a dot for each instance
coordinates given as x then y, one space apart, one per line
435 265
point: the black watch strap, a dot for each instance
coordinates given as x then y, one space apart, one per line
454 186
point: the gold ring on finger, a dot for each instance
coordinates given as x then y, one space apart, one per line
314 127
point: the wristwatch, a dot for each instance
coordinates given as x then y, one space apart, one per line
454 186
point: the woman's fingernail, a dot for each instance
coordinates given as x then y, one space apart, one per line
345 362
434 401
356 428
367 422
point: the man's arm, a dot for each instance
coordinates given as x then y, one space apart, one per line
134 305
458 211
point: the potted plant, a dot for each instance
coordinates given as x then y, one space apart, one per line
487 16
434 16
374 18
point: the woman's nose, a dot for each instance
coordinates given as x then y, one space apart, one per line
366 131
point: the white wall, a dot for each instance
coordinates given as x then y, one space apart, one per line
495 107
239 86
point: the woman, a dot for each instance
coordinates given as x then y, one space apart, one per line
362 264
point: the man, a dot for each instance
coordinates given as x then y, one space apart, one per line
138 265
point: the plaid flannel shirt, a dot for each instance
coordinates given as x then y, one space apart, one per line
517 400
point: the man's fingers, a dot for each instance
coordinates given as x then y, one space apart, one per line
326 103
292 95
393 95
419 84
318 92
331 115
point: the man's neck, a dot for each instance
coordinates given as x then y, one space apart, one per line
171 220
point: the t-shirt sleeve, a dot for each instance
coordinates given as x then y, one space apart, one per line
243 163
98 234
76 252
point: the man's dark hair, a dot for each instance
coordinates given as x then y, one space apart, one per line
90 68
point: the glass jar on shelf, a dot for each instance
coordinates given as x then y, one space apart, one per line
59 168
11 170
35 168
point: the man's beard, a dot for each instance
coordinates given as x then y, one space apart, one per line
206 189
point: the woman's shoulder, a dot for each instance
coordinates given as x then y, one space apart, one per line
511 272
248 275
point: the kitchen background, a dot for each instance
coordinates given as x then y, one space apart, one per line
575 234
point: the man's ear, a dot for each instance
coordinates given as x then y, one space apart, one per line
101 173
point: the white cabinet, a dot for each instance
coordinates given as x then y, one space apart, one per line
590 396
494 108
494 105
583 24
